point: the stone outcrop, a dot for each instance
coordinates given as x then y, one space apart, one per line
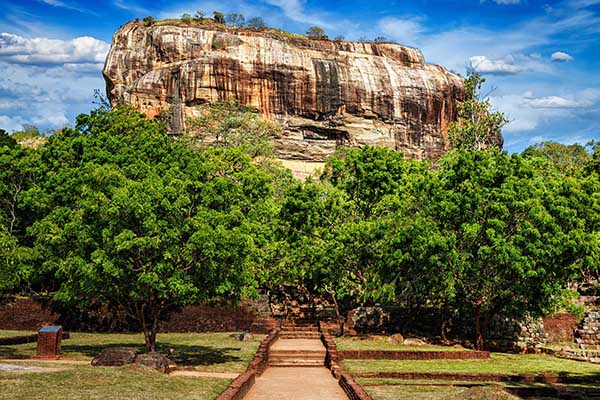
324 93
115 357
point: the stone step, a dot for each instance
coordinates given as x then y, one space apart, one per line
296 363
297 328
300 335
297 356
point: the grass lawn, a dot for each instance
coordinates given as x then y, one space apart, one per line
91 383
5 334
358 343
497 364
438 393
214 352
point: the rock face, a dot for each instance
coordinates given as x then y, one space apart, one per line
324 93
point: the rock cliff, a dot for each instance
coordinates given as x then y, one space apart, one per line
324 93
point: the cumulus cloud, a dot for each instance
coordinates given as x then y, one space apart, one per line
11 124
559 56
47 52
484 65
554 102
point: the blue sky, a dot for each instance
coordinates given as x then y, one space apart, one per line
541 58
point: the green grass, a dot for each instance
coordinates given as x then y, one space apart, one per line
95 383
437 393
497 364
358 343
214 352
5 334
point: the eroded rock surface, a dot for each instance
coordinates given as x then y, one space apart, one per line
325 93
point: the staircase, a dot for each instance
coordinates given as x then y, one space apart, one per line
299 343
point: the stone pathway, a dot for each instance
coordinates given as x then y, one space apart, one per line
24 369
296 372
203 374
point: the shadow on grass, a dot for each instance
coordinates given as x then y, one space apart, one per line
185 355
15 353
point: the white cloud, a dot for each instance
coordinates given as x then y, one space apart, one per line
11 124
296 11
132 7
527 112
559 56
62 4
46 52
484 65
406 30
554 102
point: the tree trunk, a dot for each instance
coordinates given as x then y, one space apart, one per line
478 334
148 328
337 312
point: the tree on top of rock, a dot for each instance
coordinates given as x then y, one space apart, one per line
316 32
478 127
235 20
256 23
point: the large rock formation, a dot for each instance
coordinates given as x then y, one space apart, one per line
325 93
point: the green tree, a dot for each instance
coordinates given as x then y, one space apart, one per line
230 124
187 18
315 32
516 239
199 15
136 219
219 17
570 159
148 21
234 19
6 139
478 127
256 23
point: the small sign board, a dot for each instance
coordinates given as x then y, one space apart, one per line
50 329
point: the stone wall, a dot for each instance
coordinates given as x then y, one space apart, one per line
588 331
509 335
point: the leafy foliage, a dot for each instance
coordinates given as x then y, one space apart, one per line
232 125
219 17
478 127
136 219
256 23
236 20
316 32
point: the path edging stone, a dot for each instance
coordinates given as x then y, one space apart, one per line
353 389
413 355
243 383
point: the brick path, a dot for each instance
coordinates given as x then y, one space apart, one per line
296 372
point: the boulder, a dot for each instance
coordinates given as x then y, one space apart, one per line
414 342
155 361
115 357
396 339
242 337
